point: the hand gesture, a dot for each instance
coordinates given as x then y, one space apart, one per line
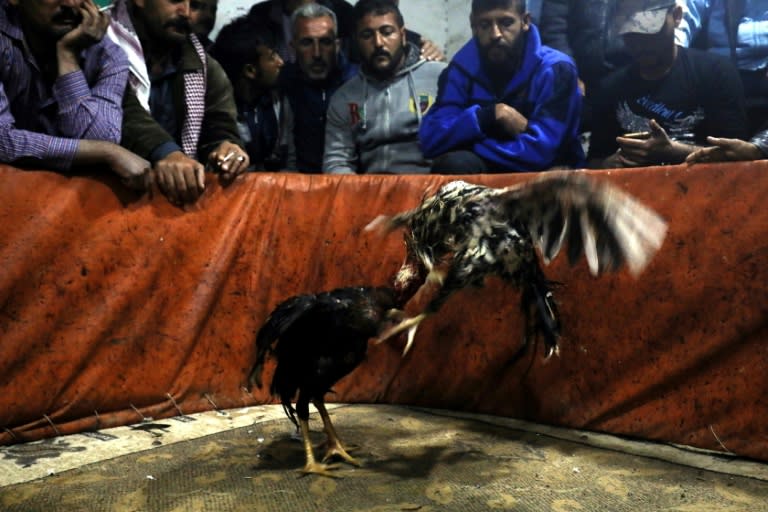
180 178
725 150
229 159
653 150
509 120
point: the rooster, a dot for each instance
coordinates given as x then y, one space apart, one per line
318 339
465 232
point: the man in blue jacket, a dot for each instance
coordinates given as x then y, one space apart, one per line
506 103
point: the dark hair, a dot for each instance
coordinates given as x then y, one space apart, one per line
237 45
378 7
479 6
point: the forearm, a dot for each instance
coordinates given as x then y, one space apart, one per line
90 113
56 153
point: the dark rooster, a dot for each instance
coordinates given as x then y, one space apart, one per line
317 340
465 232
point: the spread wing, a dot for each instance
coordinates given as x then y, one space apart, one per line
593 217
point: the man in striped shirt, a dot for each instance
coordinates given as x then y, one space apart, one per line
61 89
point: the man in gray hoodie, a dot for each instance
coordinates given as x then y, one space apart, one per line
373 119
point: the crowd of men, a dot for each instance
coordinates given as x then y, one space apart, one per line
328 86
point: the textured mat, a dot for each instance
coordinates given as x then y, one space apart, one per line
413 459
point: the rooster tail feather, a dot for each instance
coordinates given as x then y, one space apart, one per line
254 378
283 316
290 412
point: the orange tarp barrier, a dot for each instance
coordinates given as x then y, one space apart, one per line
115 306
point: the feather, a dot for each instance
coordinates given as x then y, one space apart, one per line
468 232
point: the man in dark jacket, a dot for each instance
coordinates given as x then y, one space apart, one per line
664 105
275 15
585 30
179 110
506 103
309 83
253 65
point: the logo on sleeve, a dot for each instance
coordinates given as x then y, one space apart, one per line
425 101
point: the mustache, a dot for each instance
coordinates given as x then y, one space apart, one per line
180 24
381 53
499 44
67 15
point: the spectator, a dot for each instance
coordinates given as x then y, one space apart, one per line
673 96
732 150
253 66
276 16
373 119
506 102
180 109
61 89
739 31
202 19
309 83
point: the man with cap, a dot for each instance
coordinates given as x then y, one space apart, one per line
668 100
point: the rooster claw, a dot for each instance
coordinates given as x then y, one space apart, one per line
315 468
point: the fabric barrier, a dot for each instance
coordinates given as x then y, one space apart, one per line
115 307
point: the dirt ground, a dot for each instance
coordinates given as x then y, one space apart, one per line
413 460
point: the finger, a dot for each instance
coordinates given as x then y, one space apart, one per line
178 186
656 127
627 143
242 164
188 181
200 178
700 155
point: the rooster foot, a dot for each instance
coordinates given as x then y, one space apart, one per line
409 324
316 468
337 450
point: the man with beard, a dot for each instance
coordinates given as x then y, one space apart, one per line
320 69
179 110
506 103
373 119
61 89
668 100
250 59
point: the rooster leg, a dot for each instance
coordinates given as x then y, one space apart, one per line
409 324
334 448
312 466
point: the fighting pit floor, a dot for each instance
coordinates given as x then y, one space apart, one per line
413 459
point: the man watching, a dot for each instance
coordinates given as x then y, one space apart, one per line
373 119
663 105
309 83
250 59
180 110
202 19
61 89
506 103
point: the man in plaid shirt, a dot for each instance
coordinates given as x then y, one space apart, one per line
61 89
